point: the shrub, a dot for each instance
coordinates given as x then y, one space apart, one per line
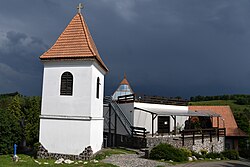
203 152
245 153
214 155
187 152
197 155
231 154
168 152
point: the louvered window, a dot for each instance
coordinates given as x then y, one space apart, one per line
66 84
97 87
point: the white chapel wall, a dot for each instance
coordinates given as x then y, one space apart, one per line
97 103
76 105
62 136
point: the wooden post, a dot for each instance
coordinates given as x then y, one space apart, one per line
182 138
218 134
193 137
152 125
218 122
109 134
175 129
202 137
210 133
115 129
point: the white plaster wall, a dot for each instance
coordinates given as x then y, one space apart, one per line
128 110
144 119
79 104
181 122
96 135
64 136
96 104
68 135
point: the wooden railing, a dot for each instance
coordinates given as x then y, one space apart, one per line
194 133
126 98
139 132
151 99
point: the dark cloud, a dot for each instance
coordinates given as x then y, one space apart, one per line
20 68
167 48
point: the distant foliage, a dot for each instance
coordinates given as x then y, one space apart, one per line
168 152
19 121
239 99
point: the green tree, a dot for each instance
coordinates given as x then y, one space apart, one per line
10 132
32 112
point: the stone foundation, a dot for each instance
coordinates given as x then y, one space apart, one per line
44 154
214 146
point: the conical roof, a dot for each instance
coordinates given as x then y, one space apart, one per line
75 43
123 89
124 81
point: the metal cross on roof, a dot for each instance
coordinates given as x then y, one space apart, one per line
79 7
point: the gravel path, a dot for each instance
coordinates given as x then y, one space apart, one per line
230 163
132 160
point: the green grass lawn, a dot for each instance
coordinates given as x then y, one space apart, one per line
27 161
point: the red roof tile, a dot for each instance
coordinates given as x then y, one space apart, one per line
74 43
124 81
226 114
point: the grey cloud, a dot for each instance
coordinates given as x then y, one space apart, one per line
166 47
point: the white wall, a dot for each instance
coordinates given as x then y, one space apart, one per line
96 135
77 104
63 132
63 136
144 119
96 104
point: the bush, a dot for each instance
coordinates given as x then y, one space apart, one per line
197 155
231 154
203 152
187 152
245 153
214 155
168 152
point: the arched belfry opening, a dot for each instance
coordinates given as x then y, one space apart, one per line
66 84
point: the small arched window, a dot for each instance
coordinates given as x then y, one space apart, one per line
66 84
97 87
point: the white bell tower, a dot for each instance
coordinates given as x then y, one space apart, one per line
72 97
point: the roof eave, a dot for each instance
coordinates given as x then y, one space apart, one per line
44 59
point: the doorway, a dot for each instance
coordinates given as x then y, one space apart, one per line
163 124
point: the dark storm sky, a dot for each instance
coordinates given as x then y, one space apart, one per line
168 48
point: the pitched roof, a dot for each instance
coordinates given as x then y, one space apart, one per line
75 42
123 89
124 81
226 116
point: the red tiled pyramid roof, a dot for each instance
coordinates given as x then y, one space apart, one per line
75 42
124 81
226 114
